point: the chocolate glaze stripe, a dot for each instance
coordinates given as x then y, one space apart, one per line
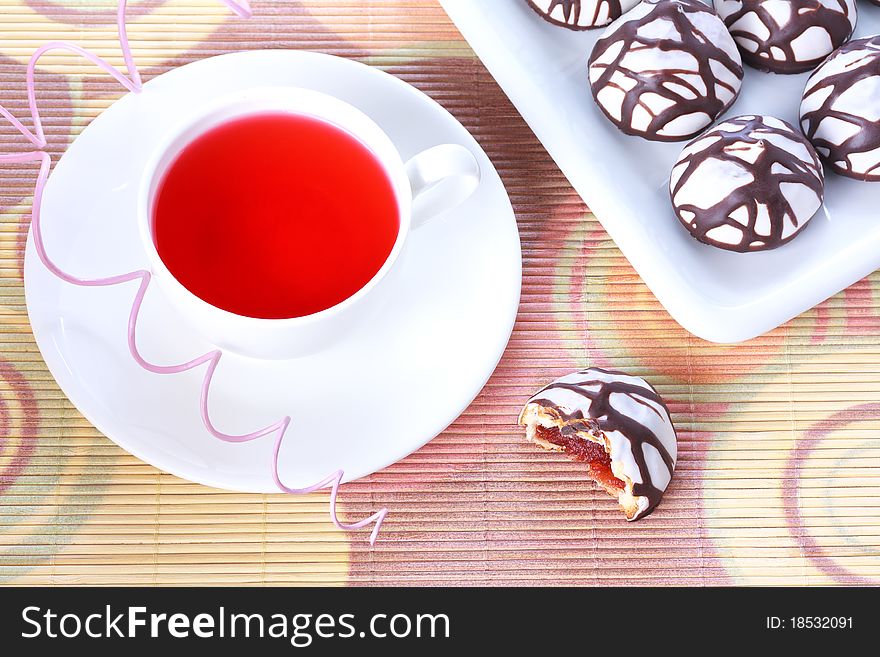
571 9
608 419
766 189
577 387
866 137
691 41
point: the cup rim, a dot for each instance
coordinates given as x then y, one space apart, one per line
395 171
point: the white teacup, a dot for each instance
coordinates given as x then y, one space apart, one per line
440 178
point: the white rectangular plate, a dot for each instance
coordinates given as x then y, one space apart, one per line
716 295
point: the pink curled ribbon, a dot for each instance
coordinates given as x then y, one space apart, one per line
132 82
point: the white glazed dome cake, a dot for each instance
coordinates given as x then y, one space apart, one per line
788 36
665 70
581 14
614 423
840 111
750 184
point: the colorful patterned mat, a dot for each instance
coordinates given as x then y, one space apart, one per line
778 480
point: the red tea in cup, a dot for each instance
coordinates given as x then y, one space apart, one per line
275 215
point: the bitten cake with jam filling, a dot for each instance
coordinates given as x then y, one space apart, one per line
614 423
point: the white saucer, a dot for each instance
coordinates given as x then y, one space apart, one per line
360 405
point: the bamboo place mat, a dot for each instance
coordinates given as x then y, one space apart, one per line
778 480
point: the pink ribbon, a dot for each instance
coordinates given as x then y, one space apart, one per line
133 83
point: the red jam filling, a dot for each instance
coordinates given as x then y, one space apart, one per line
583 451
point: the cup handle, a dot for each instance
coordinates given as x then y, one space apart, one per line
441 178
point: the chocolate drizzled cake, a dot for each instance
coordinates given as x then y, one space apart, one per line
750 184
581 14
840 111
665 70
617 425
788 36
